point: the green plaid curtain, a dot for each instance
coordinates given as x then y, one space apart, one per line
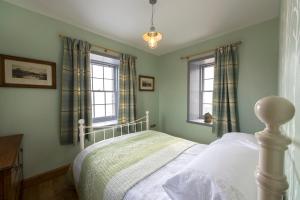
75 89
127 89
225 109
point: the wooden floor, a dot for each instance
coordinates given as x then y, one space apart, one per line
58 188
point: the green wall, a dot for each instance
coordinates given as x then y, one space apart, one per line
289 87
35 112
257 78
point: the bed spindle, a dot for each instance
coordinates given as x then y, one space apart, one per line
147 120
81 133
94 137
271 181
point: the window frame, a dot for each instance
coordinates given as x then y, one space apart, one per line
202 91
201 86
115 88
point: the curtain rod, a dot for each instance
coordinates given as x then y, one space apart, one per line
106 50
208 51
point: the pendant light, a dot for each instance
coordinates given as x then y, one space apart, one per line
152 37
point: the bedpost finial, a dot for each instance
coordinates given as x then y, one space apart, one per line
274 111
81 121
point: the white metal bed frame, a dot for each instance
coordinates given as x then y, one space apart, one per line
273 111
104 129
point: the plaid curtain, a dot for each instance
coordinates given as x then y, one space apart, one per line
127 89
225 108
75 89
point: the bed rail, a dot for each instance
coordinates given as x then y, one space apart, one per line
142 122
271 181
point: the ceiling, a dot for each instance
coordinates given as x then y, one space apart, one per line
182 22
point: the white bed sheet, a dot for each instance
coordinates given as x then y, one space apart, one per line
149 188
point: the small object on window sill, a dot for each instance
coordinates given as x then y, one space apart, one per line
207 118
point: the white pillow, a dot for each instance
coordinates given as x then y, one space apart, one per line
237 137
224 171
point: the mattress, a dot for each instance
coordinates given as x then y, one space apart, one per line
150 187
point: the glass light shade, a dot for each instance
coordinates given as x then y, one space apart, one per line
152 38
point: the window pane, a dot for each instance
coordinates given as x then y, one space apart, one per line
109 97
209 84
97 84
99 97
207 97
99 111
108 85
207 108
108 72
208 72
97 71
110 110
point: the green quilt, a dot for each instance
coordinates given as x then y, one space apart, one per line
110 171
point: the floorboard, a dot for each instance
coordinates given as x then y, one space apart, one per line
57 188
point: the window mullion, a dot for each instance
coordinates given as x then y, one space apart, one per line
201 91
92 88
104 91
202 83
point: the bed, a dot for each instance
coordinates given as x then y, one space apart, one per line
133 162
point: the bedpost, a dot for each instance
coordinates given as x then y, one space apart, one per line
81 133
271 181
147 120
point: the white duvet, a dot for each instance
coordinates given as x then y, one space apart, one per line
223 170
151 187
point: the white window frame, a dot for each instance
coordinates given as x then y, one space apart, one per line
114 117
202 90
200 118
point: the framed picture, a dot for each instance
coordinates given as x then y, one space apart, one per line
146 83
27 73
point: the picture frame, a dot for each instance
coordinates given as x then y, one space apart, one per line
146 83
27 72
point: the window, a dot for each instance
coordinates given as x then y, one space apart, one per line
200 88
104 83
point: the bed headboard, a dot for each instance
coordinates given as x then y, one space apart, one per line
273 111
142 123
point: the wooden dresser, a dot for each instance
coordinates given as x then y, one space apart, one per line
11 167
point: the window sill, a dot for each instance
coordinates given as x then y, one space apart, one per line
106 123
200 122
